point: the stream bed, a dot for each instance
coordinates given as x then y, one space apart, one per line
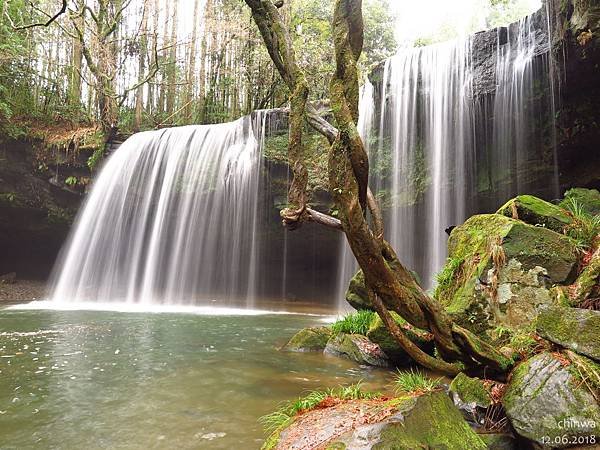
109 380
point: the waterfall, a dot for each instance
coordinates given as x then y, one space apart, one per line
172 218
454 129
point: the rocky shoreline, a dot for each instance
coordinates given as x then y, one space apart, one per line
21 291
522 279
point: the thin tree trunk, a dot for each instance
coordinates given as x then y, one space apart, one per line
139 95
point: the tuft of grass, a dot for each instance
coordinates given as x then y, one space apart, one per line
414 381
355 323
585 227
284 415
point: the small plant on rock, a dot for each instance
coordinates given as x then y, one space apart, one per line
414 382
354 323
585 227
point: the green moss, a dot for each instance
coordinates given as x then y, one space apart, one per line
309 339
535 211
577 329
432 422
470 390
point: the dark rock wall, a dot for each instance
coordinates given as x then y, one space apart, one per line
35 212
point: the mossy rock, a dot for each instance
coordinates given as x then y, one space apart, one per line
308 340
470 391
545 402
535 211
357 295
499 441
588 199
521 261
357 348
380 335
429 421
573 328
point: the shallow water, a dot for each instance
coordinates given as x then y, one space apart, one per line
93 379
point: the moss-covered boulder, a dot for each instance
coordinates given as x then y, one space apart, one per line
535 211
588 199
495 441
380 335
357 295
500 270
573 328
545 403
308 340
469 391
429 421
357 348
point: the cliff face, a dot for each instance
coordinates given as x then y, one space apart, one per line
576 48
37 205
35 213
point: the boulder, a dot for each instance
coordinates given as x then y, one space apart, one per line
380 335
357 295
429 421
357 348
469 392
499 441
588 199
500 271
308 340
573 328
546 404
535 211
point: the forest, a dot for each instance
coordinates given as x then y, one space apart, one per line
300 224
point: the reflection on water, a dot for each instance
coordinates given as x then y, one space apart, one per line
72 379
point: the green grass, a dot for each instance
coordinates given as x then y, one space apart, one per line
355 323
410 381
284 415
585 228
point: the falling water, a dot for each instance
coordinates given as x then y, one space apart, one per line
443 148
172 218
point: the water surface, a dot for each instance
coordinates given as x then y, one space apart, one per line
95 380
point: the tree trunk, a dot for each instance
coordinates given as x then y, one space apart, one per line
392 287
139 95
172 71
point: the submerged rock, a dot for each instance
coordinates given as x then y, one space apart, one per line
357 348
546 404
308 340
588 199
380 335
573 328
535 211
500 271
